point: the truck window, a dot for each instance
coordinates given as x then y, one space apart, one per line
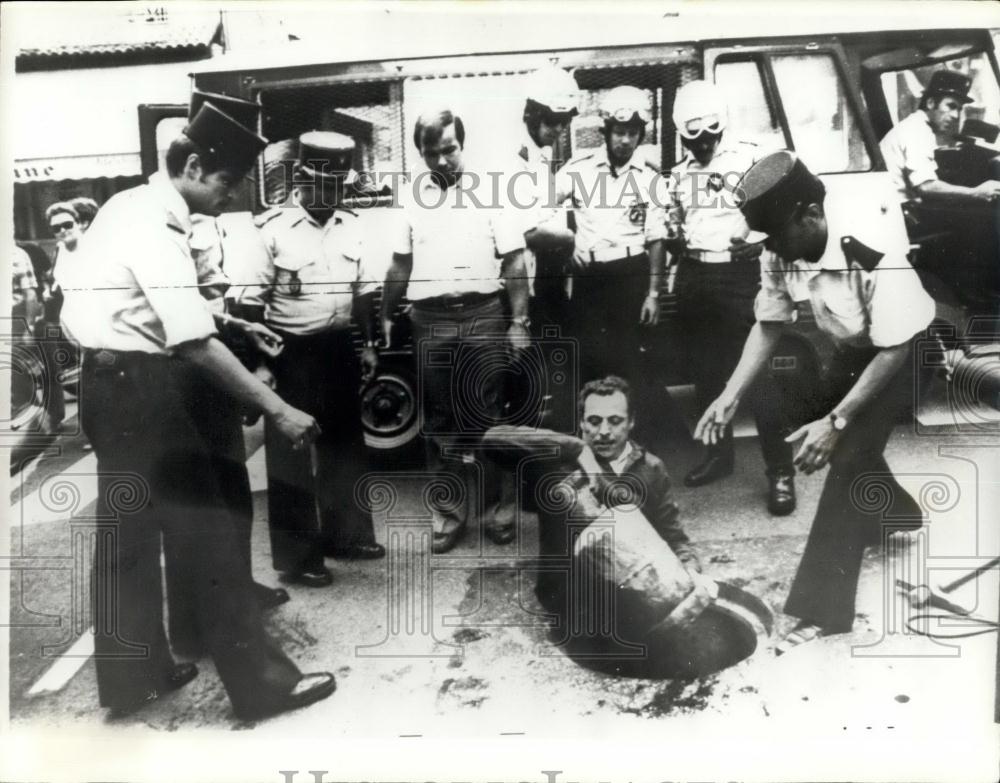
824 129
750 116
903 88
167 129
808 93
366 112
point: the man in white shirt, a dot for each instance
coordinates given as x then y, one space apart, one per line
618 200
140 319
310 284
867 298
454 249
909 147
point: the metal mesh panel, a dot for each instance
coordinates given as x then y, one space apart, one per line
659 82
364 111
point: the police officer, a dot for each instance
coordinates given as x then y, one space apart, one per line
138 319
909 147
718 277
216 414
551 101
867 297
312 284
956 225
618 202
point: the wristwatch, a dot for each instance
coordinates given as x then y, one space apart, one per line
522 320
838 422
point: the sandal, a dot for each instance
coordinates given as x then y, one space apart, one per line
801 634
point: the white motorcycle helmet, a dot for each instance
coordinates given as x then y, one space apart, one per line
625 104
699 107
553 88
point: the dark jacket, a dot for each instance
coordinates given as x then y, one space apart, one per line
658 505
645 476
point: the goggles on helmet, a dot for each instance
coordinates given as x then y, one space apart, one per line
626 115
692 129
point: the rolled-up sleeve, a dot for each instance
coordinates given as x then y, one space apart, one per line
261 275
401 222
898 306
165 271
919 164
773 303
508 225
365 282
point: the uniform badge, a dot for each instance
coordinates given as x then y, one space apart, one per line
287 282
715 181
637 213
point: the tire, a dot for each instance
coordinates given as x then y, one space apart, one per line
389 410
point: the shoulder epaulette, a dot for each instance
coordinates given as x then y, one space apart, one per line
350 212
651 167
586 155
266 217
855 250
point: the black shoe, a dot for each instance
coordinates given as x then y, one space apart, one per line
179 676
314 578
781 494
718 464
370 551
445 542
270 597
501 535
310 689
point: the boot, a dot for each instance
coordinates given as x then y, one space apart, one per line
718 463
781 493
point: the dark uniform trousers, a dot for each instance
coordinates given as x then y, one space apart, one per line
155 480
321 375
550 304
607 298
549 311
462 355
715 308
825 585
216 416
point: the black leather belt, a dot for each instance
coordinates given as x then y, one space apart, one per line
457 302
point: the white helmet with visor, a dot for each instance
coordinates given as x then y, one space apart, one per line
553 88
699 107
625 104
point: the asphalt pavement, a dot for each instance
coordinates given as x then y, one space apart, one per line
456 645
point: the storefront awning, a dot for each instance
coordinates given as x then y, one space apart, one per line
77 167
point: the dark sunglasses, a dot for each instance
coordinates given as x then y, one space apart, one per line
57 227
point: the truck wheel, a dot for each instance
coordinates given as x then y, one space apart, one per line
389 410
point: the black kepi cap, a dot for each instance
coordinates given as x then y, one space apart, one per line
245 113
773 187
234 145
326 155
948 82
